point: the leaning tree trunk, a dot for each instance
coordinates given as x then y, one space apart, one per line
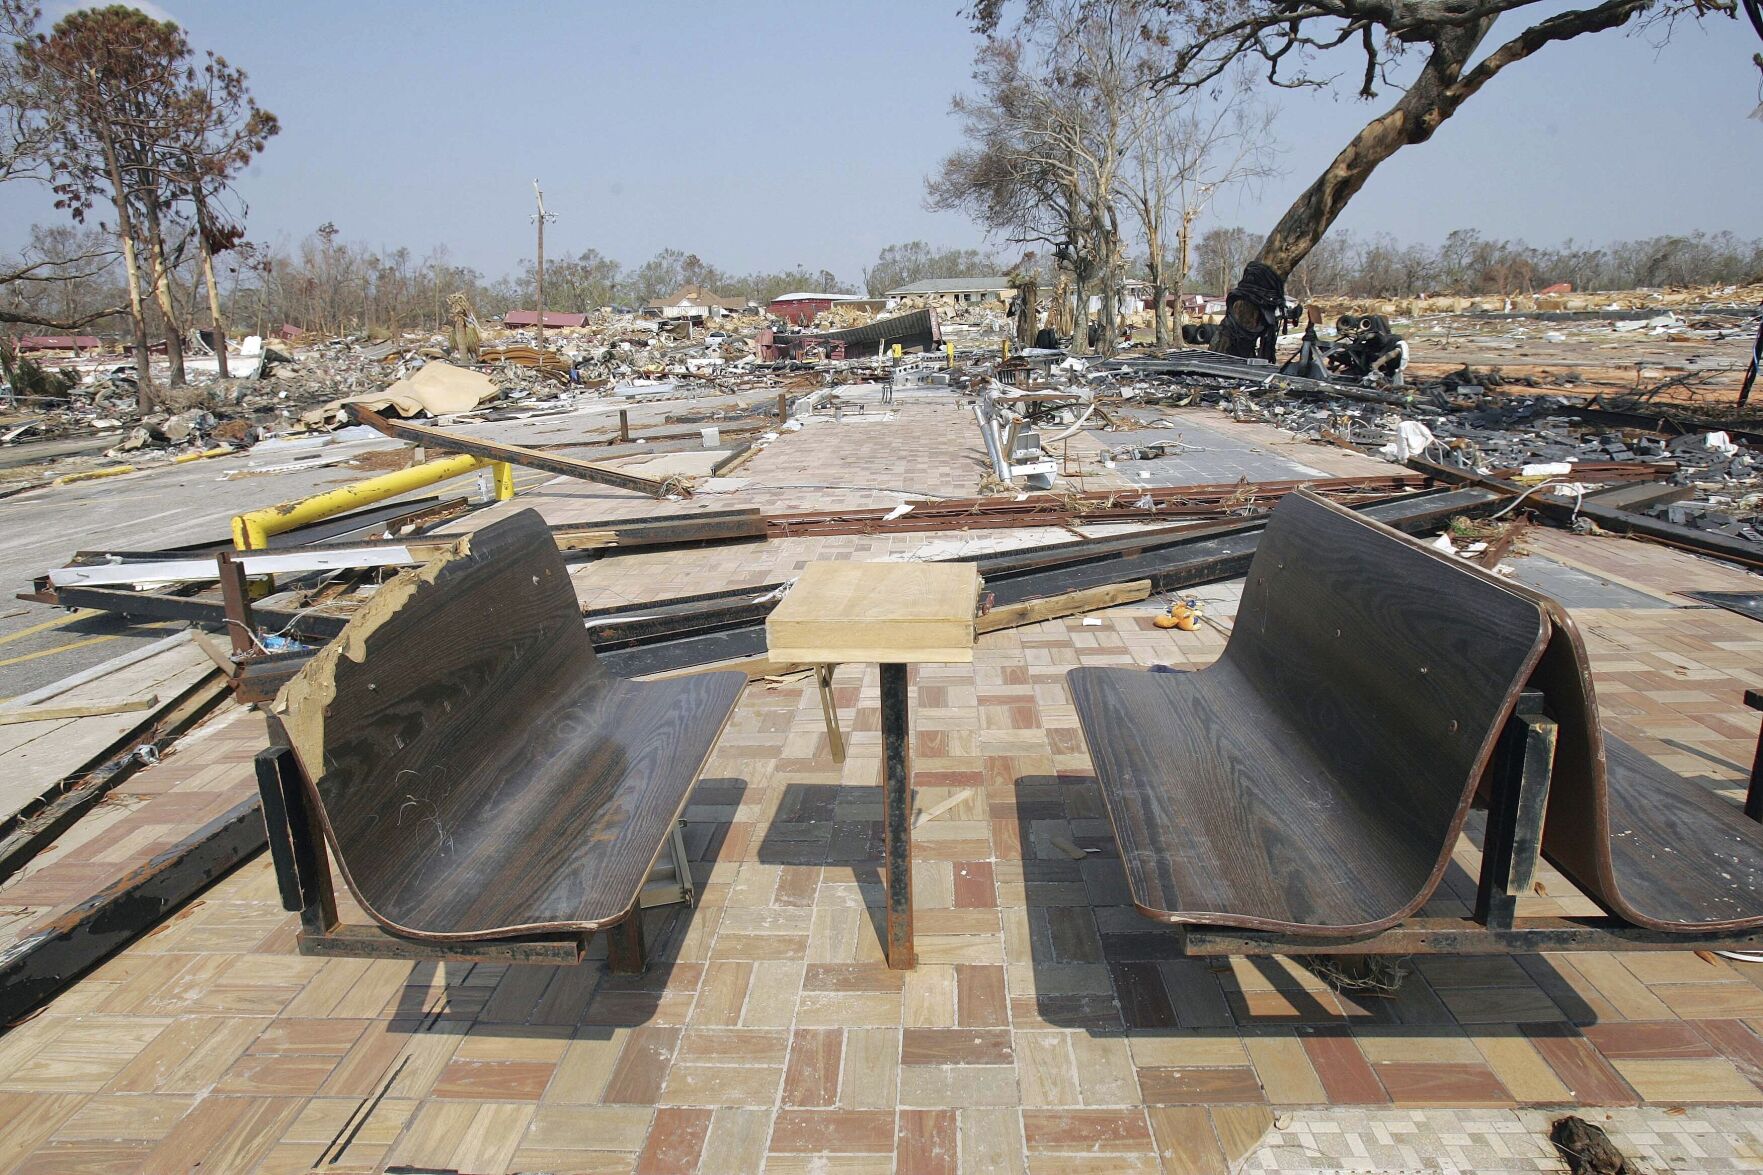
214 315
174 339
1027 308
1432 99
1184 237
1080 313
131 266
1111 279
1109 335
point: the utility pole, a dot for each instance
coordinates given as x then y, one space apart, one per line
541 217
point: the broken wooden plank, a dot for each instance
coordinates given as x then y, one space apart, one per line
89 710
1065 604
104 669
451 442
27 833
958 798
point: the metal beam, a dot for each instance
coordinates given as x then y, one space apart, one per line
35 968
1621 522
452 442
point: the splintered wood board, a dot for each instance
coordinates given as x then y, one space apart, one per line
34 756
876 612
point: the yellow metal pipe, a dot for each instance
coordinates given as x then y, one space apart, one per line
217 451
251 531
94 474
504 480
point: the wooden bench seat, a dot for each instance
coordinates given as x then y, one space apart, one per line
475 773
1314 779
1654 849
1310 786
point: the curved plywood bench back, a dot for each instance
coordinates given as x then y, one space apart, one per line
1651 847
1396 663
1314 779
401 722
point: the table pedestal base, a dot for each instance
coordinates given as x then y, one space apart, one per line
897 816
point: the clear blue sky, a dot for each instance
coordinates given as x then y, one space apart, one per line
766 134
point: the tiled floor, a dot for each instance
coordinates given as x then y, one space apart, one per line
1200 453
207 774
1047 1026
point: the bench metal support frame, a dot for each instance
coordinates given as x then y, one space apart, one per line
829 709
303 875
1754 796
1517 800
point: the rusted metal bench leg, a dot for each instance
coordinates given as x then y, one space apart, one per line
235 594
1754 797
624 944
300 867
1519 795
897 815
823 677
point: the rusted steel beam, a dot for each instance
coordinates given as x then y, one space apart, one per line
235 595
1607 472
35 968
1122 505
451 442
1620 522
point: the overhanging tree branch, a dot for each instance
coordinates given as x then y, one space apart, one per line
24 318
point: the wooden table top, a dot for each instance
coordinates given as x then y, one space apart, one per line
892 613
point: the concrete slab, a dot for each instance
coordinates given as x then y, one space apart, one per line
1205 455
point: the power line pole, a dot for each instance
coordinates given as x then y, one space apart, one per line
541 217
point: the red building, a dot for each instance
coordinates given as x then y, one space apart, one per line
799 309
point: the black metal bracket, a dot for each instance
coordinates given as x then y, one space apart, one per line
1518 797
1754 796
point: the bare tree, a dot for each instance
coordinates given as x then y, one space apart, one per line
1189 147
219 130
1207 38
1047 132
66 266
114 72
28 125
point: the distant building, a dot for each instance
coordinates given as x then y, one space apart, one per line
555 318
691 301
58 343
955 291
801 308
